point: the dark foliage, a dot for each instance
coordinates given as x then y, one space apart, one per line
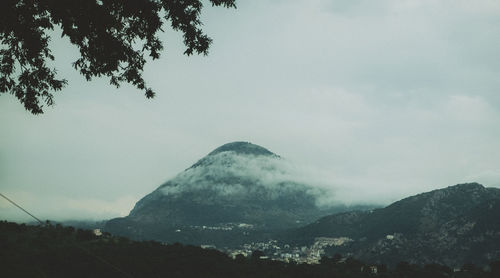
113 37
58 251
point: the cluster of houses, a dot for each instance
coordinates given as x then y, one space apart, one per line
224 227
284 252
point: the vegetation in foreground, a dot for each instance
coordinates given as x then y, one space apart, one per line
58 251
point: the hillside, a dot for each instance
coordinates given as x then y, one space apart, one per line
451 226
238 193
58 251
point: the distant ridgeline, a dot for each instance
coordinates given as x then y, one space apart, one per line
452 226
238 193
58 251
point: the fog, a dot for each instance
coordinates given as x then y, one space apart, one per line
231 174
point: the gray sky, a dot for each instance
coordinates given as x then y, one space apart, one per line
380 99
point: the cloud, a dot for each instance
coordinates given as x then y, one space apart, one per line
238 175
234 175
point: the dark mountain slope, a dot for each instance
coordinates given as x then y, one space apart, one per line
238 192
452 226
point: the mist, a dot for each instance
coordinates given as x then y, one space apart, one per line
230 174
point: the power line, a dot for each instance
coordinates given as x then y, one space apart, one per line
80 247
14 203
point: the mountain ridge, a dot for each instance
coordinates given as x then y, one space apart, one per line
452 226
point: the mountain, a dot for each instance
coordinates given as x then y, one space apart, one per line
237 193
452 226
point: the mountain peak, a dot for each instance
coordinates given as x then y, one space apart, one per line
241 147
467 186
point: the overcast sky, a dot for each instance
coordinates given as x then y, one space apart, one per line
382 99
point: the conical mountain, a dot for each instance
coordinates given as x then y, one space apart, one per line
237 191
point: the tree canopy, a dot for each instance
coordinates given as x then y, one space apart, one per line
114 38
62 251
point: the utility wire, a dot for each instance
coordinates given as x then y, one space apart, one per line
14 203
80 247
